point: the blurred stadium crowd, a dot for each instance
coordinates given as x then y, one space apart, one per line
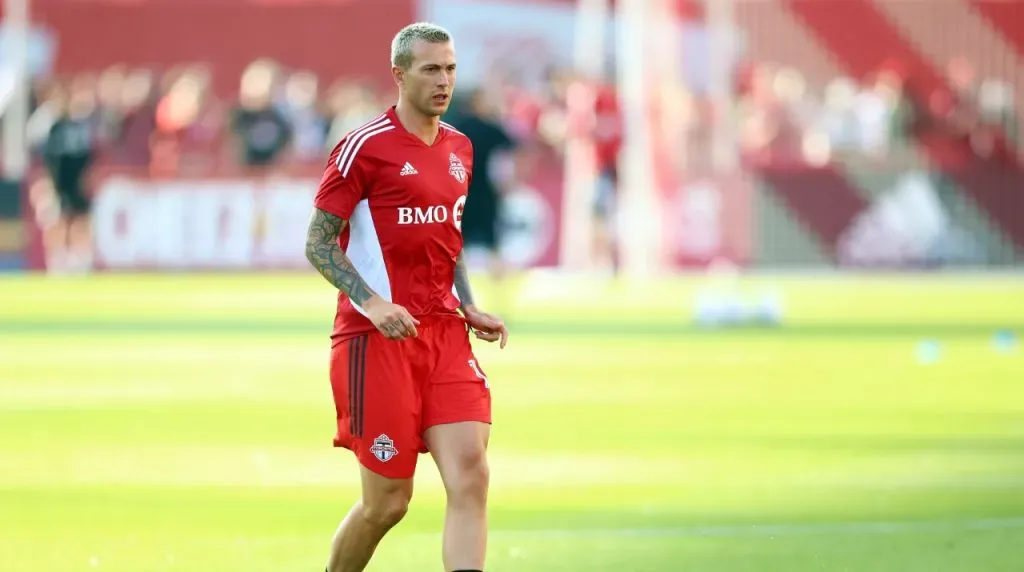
173 123
782 116
836 155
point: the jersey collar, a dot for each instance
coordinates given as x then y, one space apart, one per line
393 116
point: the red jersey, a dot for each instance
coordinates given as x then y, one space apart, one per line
403 200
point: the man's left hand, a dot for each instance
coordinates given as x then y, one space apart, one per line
486 326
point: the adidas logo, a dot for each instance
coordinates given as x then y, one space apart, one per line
408 169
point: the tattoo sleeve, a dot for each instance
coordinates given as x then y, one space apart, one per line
326 256
462 282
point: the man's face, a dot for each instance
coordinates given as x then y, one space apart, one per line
430 79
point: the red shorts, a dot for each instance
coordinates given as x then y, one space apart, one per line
387 393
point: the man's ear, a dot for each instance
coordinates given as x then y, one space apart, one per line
398 75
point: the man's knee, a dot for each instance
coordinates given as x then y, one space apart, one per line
385 501
387 510
470 479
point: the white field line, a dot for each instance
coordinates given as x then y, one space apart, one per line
158 464
881 527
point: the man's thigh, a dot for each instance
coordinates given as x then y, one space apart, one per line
377 405
458 389
458 447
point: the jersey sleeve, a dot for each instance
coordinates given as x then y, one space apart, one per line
343 184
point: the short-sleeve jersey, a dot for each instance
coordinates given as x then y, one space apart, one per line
403 200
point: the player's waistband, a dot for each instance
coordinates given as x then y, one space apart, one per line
364 326
434 319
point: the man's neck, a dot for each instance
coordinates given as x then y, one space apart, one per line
422 126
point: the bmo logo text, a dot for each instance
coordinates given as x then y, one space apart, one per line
433 214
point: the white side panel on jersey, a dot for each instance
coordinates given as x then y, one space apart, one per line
366 254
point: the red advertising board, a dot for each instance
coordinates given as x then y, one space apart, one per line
335 39
214 224
254 223
201 224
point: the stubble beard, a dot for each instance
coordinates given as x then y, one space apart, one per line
429 110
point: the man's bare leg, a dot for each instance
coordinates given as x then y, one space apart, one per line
56 240
383 504
460 451
79 244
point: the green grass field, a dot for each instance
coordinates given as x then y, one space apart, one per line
159 423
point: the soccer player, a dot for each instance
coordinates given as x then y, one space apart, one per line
386 232
494 162
606 133
69 152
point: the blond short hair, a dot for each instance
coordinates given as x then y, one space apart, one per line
401 46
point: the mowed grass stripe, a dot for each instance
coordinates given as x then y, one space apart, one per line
542 298
210 450
682 327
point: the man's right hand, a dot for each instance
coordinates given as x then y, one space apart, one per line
394 321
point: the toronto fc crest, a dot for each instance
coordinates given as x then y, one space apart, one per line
383 448
456 168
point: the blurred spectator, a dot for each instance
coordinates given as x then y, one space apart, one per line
995 137
108 111
186 123
950 113
790 87
493 165
308 124
350 105
261 131
52 102
769 115
959 104
683 132
137 108
883 114
607 133
839 120
69 151
552 122
523 110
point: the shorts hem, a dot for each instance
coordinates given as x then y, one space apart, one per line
375 469
461 419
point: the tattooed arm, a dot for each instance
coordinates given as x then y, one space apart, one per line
325 255
462 284
487 327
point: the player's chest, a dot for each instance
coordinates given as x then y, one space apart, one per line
416 176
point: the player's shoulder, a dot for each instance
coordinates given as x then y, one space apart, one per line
459 140
458 136
363 142
376 128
